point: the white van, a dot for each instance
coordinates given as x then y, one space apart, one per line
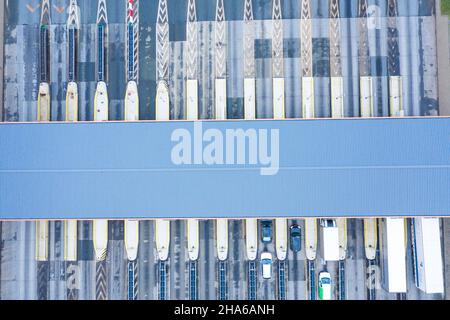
330 237
324 286
266 263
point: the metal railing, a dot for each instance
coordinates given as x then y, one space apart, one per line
312 279
223 285
342 281
193 292
162 292
132 280
281 280
252 283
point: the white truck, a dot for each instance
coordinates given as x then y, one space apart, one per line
330 238
428 266
393 254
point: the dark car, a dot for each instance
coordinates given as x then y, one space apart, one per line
266 231
296 238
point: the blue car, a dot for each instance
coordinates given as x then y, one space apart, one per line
296 238
266 231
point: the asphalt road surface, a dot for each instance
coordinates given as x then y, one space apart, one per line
19 278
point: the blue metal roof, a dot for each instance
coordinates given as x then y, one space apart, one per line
357 167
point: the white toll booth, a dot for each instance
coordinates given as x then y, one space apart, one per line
330 240
281 241
393 253
131 238
251 238
222 239
428 255
162 238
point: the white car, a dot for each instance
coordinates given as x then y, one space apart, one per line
324 286
266 262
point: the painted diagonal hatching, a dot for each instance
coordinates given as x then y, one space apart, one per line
363 52
132 43
192 42
45 13
393 48
306 38
102 14
249 41
220 41
277 41
74 19
335 39
162 42
73 24
136 39
101 290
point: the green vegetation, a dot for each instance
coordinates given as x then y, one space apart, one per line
445 7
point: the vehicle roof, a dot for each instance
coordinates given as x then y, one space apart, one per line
266 255
326 289
429 250
267 270
295 229
324 274
328 223
394 250
330 243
